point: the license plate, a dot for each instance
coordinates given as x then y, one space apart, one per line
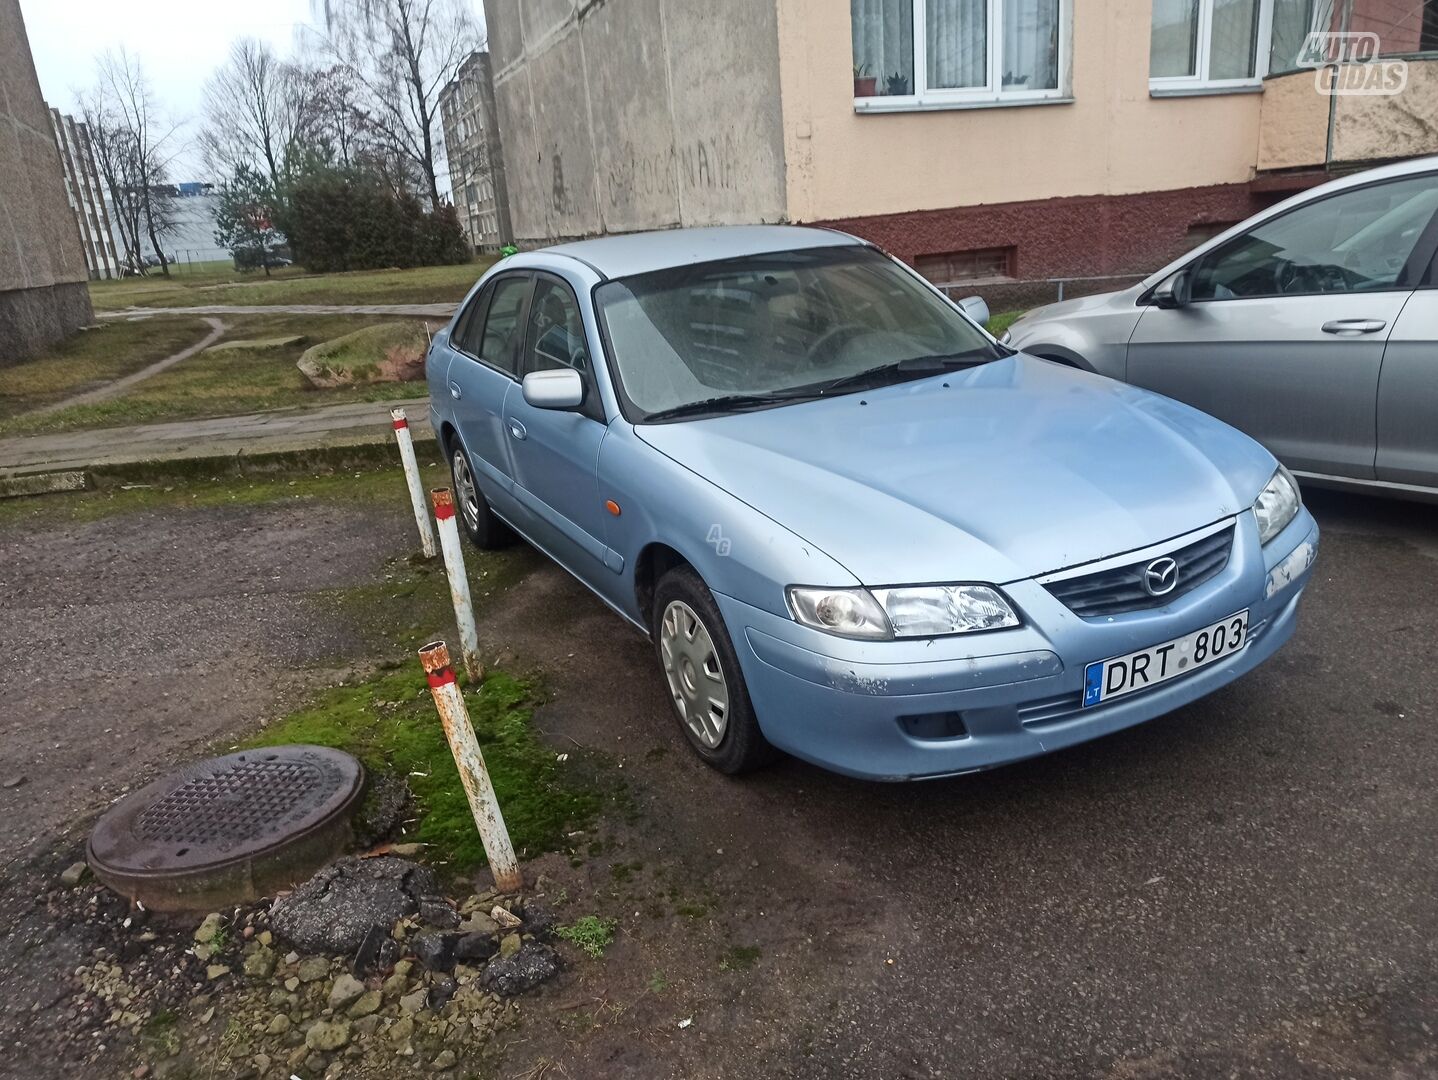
1105 680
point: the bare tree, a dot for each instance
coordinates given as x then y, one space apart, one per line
401 54
332 125
134 149
254 109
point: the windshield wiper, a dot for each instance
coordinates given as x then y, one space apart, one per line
906 366
726 402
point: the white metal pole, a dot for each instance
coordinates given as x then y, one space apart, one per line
458 582
411 476
472 772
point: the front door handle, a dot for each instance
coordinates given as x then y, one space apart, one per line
517 430
454 391
1354 326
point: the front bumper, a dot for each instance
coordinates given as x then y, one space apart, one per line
903 710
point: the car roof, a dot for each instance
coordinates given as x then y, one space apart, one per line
640 253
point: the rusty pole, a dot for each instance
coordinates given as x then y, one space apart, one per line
458 582
472 773
411 476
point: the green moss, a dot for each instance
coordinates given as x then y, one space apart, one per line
389 723
590 933
357 357
739 958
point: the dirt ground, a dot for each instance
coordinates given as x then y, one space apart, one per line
1243 888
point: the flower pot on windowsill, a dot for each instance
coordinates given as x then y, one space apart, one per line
866 86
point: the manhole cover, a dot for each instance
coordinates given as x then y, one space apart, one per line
229 829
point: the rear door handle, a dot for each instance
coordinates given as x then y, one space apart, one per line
517 430
1354 326
455 392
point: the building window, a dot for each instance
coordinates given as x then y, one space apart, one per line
1208 45
965 267
949 53
1399 29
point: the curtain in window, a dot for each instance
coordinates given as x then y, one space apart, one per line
1031 44
1293 21
884 43
1173 38
957 38
1234 39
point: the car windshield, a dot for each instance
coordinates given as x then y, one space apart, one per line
765 329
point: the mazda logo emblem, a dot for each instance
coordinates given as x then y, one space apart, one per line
1160 577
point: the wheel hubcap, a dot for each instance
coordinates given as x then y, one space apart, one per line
696 678
467 492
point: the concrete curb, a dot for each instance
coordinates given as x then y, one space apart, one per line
279 462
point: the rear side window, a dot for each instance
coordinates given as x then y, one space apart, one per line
471 323
499 345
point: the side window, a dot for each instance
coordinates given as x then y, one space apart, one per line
467 329
499 344
555 338
1357 241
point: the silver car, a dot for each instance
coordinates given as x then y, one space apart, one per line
1312 326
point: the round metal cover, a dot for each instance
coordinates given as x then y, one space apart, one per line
230 828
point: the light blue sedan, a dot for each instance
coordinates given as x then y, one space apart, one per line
856 528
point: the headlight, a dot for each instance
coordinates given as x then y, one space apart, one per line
905 612
1277 505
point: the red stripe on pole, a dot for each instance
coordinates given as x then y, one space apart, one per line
444 511
442 677
401 423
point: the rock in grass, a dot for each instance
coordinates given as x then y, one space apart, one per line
210 928
335 910
526 969
313 969
367 1003
260 964
74 874
444 1060
345 990
328 1034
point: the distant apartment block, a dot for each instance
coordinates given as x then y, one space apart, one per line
476 166
86 195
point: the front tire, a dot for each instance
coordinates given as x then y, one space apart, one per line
484 529
701 669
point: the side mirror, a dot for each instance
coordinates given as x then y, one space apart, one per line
975 308
1176 292
562 388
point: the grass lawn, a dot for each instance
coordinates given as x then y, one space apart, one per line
91 358
222 383
217 284
997 324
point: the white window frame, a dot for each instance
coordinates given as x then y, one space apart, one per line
976 97
1199 82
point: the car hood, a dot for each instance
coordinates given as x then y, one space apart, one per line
997 473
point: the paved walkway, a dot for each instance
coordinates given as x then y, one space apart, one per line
258 433
119 386
443 310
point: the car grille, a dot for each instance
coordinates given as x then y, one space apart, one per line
1120 589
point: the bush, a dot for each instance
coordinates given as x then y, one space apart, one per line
349 219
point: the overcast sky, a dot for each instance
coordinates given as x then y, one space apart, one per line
179 44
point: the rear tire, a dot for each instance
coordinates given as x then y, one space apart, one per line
701 670
484 529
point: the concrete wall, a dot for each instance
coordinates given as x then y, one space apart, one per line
43 290
1366 127
1113 139
622 115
